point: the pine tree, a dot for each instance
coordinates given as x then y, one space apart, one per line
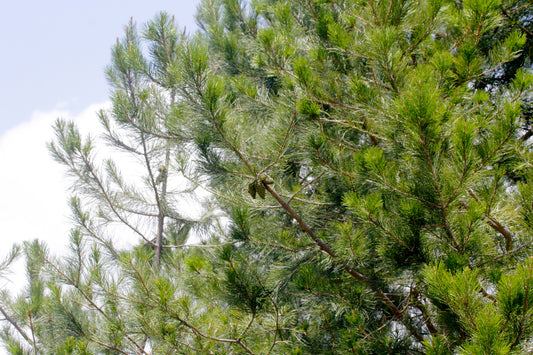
373 161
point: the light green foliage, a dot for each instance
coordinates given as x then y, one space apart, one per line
370 162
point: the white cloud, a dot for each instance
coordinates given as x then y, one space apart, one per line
33 187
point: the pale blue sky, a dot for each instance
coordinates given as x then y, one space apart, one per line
53 53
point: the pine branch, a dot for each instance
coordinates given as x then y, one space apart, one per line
91 301
325 248
525 308
34 342
14 323
102 189
522 27
173 314
494 224
509 253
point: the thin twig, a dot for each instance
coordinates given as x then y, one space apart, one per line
14 324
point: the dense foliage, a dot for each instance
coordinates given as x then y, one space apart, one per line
369 173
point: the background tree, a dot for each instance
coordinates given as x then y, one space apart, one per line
372 158
115 206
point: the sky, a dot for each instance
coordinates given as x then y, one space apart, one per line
54 54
